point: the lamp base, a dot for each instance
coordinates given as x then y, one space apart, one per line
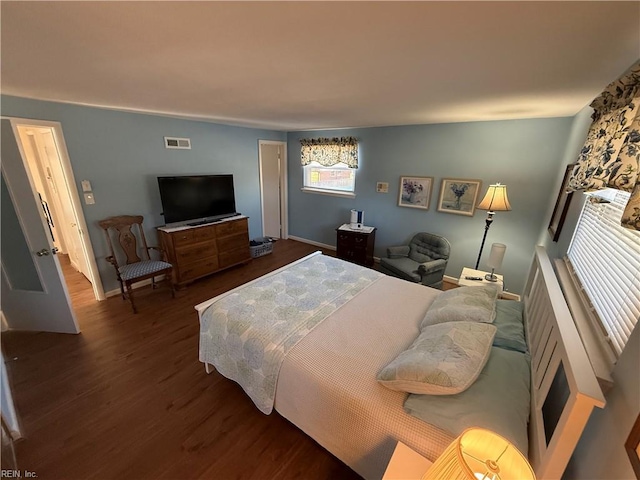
490 277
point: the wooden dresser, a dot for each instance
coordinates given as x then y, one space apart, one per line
201 250
356 246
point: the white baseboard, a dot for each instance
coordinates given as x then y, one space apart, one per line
144 283
450 280
311 242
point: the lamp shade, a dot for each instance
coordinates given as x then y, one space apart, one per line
479 454
497 255
495 199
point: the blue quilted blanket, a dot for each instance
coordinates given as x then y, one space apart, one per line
247 332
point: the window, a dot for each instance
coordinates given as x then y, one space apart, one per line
339 177
329 164
605 258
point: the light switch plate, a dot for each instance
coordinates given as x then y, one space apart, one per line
86 186
88 199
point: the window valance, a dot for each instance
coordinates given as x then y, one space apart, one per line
330 151
610 157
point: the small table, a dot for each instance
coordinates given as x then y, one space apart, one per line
470 272
356 245
405 464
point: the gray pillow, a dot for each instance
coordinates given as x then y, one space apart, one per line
463 304
510 334
498 400
443 360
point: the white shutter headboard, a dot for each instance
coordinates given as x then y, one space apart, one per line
564 388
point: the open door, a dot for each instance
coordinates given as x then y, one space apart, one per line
34 295
273 188
45 167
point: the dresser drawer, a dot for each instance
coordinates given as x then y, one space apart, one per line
200 269
197 251
204 233
230 228
234 256
233 242
183 237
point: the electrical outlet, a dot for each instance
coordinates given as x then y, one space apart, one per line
88 199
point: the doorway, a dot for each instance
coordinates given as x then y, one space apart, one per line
273 188
48 167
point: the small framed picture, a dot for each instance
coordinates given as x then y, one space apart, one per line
382 187
562 206
459 196
415 192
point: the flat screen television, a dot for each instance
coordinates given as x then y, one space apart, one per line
196 199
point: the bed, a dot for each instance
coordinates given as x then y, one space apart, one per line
318 368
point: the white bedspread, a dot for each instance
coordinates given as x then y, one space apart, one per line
247 332
328 388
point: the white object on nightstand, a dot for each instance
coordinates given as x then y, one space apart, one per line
463 281
405 464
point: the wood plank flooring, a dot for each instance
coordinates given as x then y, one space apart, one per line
128 398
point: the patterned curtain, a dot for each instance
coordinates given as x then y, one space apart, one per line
610 157
330 151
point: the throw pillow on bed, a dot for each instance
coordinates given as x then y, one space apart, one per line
443 360
510 334
499 400
463 304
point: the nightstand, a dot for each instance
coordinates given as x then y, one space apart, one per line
469 272
405 464
356 245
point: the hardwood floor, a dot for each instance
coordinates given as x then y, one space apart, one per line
128 398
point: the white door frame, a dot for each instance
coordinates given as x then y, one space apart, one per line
67 169
284 190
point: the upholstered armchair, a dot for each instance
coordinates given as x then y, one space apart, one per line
422 261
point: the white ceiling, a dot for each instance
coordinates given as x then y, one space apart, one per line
311 65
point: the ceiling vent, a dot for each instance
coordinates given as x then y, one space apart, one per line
175 142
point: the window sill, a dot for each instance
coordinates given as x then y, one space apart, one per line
602 362
333 193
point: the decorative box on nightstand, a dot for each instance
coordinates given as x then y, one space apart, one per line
405 464
468 275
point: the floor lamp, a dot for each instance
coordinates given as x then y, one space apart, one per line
495 200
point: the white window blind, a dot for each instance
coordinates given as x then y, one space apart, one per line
606 260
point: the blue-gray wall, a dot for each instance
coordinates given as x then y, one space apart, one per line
121 154
526 155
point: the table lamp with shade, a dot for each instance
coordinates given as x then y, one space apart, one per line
494 200
480 454
495 260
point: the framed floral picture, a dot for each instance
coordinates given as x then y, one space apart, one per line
459 196
415 192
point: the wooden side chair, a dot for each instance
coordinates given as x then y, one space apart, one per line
125 231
